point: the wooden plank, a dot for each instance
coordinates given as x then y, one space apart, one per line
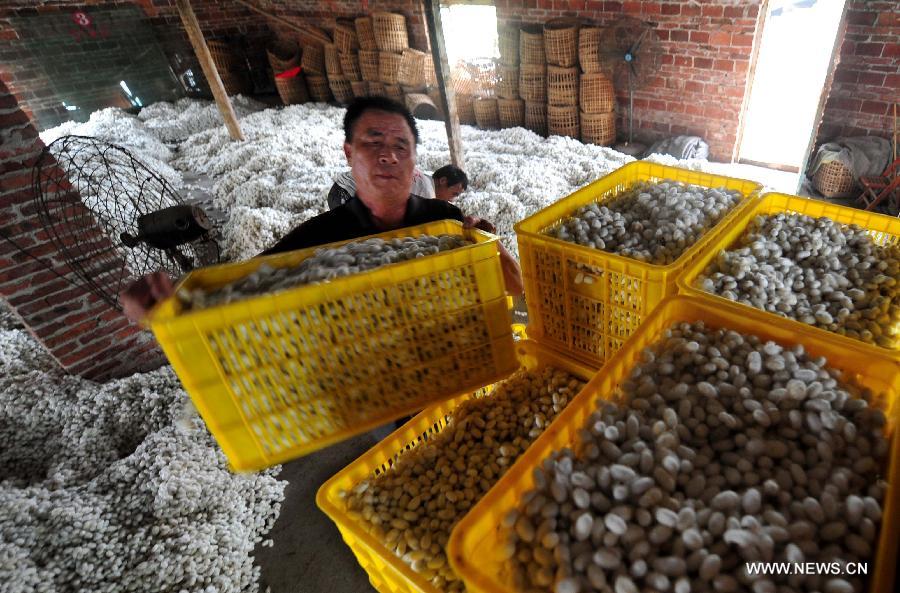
442 73
192 26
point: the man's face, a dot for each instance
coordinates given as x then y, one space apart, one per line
382 156
445 192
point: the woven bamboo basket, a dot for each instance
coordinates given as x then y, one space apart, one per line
463 82
531 45
598 128
833 180
465 109
390 31
376 89
508 85
313 61
368 65
292 90
393 91
589 48
562 85
509 45
365 34
422 107
414 90
597 93
223 54
486 114
536 117
561 42
389 67
345 37
332 60
412 68
434 94
533 82
235 82
350 66
430 76
360 88
318 88
340 88
283 55
512 112
562 120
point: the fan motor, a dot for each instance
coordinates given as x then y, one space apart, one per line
169 227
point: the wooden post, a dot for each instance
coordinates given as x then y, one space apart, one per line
209 68
442 73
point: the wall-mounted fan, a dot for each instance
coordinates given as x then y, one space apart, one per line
112 219
630 50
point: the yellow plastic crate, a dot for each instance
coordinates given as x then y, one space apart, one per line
884 230
387 572
476 544
278 376
593 320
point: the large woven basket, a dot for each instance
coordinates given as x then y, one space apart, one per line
531 45
536 117
486 114
224 55
368 65
562 85
512 113
589 48
389 67
508 85
390 31
312 35
430 76
332 60
393 91
345 36
313 59
508 40
318 88
283 55
598 128
376 89
465 109
463 82
350 66
412 68
365 34
533 82
833 180
292 90
434 94
341 89
562 120
597 93
236 82
360 88
561 42
421 106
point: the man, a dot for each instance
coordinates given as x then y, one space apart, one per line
445 184
380 138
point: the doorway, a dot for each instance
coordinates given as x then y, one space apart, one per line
794 56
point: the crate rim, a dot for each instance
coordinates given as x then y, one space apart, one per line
746 201
685 280
479 581
331 486
159 313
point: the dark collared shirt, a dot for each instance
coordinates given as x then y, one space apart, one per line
352 220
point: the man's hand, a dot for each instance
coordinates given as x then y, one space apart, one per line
138 298
478 223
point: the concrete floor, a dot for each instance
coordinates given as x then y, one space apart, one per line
308 555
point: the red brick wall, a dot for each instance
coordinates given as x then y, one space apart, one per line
867 77
706 56
84 334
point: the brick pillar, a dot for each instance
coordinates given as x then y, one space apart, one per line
83 333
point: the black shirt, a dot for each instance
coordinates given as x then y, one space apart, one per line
352 220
